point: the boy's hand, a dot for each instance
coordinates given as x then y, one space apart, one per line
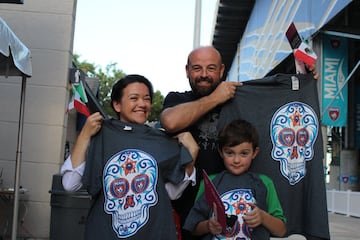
214 226
254 217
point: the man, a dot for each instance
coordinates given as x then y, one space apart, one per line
198 111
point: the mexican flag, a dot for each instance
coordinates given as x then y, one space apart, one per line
79 99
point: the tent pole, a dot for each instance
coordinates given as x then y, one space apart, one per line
18 161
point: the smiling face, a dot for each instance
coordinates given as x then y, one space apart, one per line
135 103
204 70
237 159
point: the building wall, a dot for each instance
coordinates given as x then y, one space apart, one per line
47 29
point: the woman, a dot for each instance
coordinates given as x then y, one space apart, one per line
129 166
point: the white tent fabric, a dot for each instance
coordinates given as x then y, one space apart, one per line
15 60
15 54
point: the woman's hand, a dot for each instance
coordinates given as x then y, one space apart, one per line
93 124
187 140
90 128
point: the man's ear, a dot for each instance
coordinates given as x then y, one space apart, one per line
222 69
187 70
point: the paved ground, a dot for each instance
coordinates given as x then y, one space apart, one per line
341 228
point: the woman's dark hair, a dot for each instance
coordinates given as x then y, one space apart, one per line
118 88
238 132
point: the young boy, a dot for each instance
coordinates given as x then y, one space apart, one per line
249 196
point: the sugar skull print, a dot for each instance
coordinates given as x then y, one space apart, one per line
130 178
236 202
293 130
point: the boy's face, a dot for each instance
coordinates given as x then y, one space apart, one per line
237 159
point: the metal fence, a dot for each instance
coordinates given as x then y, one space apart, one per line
344 202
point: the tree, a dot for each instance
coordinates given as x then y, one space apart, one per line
157 106
107 78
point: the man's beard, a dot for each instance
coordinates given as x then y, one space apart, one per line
202 91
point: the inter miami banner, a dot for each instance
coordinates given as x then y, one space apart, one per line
334 88
357 117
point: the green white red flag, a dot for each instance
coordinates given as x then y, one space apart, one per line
79 99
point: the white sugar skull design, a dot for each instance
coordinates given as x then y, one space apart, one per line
130 178
293 130
236 202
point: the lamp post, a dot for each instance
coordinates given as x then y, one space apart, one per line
197 24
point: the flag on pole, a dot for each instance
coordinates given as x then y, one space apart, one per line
302 50
79 99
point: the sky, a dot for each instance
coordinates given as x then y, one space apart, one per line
148 37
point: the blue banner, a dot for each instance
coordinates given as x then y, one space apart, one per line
334 88
357 117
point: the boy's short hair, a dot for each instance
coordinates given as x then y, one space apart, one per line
237 132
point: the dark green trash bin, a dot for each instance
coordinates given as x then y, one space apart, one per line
68 212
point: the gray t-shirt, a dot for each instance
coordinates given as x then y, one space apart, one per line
127 167
291 146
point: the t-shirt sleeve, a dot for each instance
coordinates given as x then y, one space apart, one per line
199 212
175 98
176 174
272 200
92 177
170 100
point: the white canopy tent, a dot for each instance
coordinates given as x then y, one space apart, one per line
15 60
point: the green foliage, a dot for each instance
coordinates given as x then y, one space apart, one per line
107 78
157 106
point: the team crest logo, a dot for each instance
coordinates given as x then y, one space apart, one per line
236 202
293 132
334 113
130 178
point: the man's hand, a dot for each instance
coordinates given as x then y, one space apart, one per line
303 68
225 91
312 69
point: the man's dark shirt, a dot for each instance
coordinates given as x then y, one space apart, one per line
205 133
